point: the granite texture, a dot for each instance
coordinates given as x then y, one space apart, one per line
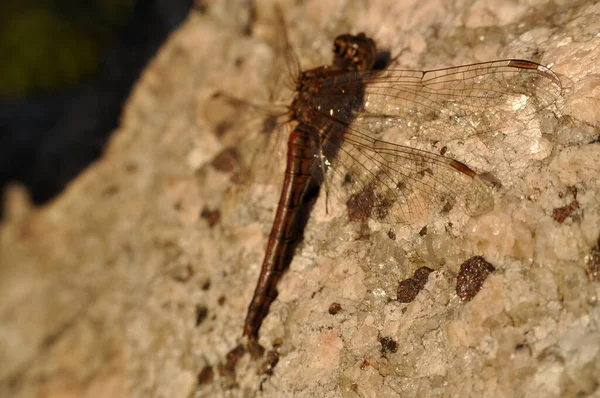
136 280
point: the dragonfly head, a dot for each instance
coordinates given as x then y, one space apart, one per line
352 52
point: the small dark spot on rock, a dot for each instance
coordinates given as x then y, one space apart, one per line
447 207
354 387
471 276
221 300
388 345
559 214
391 234
201 314
206 285
408 289
227 160
206 375
335 308
212 217
523 346
365 364
423 231
360 205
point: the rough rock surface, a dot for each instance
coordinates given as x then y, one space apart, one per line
136 280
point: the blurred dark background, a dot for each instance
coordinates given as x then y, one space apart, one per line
67 68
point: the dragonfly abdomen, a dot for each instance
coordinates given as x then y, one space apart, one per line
298 193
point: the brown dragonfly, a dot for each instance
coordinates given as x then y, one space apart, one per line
341 110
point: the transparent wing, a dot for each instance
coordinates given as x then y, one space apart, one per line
454 102
396 183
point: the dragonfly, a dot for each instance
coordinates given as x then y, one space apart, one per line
340 113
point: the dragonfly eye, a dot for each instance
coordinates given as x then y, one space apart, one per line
339 46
